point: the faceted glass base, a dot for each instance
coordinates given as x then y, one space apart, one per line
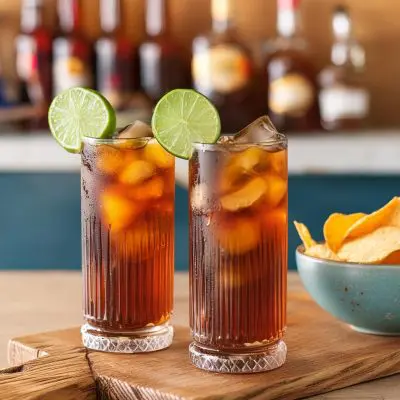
275 357
140 342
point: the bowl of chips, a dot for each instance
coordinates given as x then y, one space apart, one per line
355 273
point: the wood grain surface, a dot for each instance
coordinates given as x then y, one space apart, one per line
323 355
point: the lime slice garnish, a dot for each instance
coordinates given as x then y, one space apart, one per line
183 117
79 112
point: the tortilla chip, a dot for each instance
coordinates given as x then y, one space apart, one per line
394 219
336 227
321 251
373 247
377 219
305 235
392 259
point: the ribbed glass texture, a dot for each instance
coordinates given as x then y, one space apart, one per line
238 247
127 235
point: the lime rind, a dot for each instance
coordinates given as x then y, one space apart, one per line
79 112
183 117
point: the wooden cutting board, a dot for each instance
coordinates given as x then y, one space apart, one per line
324 355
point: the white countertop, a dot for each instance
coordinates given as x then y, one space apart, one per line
374 152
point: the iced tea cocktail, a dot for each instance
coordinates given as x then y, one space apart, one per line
127 244
238 255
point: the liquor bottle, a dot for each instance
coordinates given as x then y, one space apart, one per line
34 54
344 99
117 75
72 53
291 77
223 69
161 65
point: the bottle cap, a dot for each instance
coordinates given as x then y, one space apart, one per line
288 4
341 23
221 10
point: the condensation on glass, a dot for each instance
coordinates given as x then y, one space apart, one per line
127 244
238 256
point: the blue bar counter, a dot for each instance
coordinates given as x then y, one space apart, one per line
40 214
40 194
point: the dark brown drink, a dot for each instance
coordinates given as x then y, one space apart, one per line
238 265
127 244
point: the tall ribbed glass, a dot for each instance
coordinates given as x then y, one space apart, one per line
238 256
127 194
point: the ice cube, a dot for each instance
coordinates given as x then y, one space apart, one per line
154 153
226 139
136 130
150 190
274 221
278 162
118 211
260 130
246 196
277 188
238 235
109 159
231 176
137 172
241 167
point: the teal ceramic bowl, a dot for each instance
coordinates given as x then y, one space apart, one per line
367 297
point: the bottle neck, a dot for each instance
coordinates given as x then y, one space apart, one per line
110 15
345 50
31 15
156 17
69 15
341 27
340 54
289 19
222 15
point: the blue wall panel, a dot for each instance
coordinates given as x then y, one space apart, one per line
40 214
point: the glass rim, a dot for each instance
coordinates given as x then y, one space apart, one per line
278 140
94 140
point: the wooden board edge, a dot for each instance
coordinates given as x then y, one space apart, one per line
362 370
61 376
18 353
115 389
26 348
339 376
